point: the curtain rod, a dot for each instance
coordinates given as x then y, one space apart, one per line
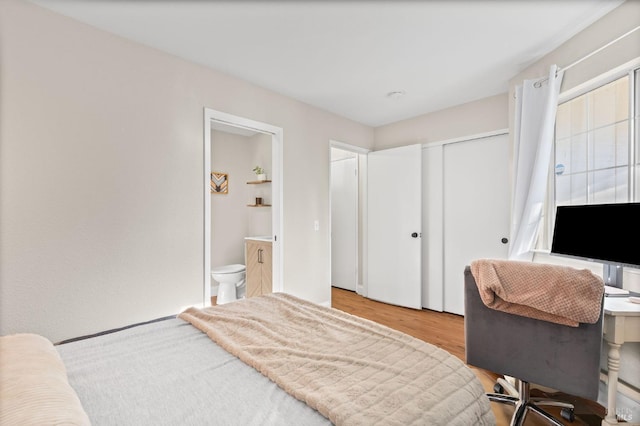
598 50
601 48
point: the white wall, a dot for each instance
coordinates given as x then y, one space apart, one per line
230 216
611 26
260 218
481 116
101 214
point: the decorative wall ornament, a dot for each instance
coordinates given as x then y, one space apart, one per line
260 173
219 183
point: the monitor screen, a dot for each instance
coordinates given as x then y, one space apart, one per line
607 233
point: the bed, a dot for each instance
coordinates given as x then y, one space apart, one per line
269 360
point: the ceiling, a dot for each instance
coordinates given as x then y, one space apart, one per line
347 56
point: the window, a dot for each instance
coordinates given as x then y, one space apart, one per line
592 147
597 148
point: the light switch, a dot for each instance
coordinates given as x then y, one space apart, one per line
316 225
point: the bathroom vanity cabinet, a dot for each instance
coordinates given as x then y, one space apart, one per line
259 269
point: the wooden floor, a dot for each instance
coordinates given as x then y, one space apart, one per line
447 332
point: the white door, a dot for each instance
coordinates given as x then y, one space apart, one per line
394 225
476 209
432 232
344 223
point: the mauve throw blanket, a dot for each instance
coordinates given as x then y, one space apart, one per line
353 371
554 293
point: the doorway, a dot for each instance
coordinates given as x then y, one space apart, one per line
216 120
345 200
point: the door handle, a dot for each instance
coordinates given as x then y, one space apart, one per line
414 235
504 240
260 256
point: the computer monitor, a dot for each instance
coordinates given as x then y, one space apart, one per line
605 233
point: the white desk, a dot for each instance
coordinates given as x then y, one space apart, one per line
621 324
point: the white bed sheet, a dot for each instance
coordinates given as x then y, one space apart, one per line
170 373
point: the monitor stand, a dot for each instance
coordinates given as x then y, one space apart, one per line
612 275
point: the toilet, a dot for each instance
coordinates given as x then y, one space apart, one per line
231 280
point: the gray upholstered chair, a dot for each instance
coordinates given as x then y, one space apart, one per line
564 358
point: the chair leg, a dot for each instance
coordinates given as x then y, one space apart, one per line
552 403
548 417
519 413
508 387
503 399
523 402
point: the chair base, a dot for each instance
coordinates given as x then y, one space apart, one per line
524 403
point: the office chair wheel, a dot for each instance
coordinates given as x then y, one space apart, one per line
568 414
497 388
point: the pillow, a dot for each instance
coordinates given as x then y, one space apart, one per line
34 389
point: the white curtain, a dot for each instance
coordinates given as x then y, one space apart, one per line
535 115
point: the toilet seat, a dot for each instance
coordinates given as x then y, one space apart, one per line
229 269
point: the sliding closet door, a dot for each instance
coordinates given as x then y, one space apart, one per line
476 209
394 209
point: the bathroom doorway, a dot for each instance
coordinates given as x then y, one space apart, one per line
346 220
263 144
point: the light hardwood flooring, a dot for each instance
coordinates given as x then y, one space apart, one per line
447 332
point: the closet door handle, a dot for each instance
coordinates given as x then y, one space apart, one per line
260 256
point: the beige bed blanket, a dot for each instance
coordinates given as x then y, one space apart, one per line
353 371
34 389
554 293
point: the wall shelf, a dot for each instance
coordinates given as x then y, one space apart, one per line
258 199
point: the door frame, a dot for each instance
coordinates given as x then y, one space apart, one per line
361 193
277 226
